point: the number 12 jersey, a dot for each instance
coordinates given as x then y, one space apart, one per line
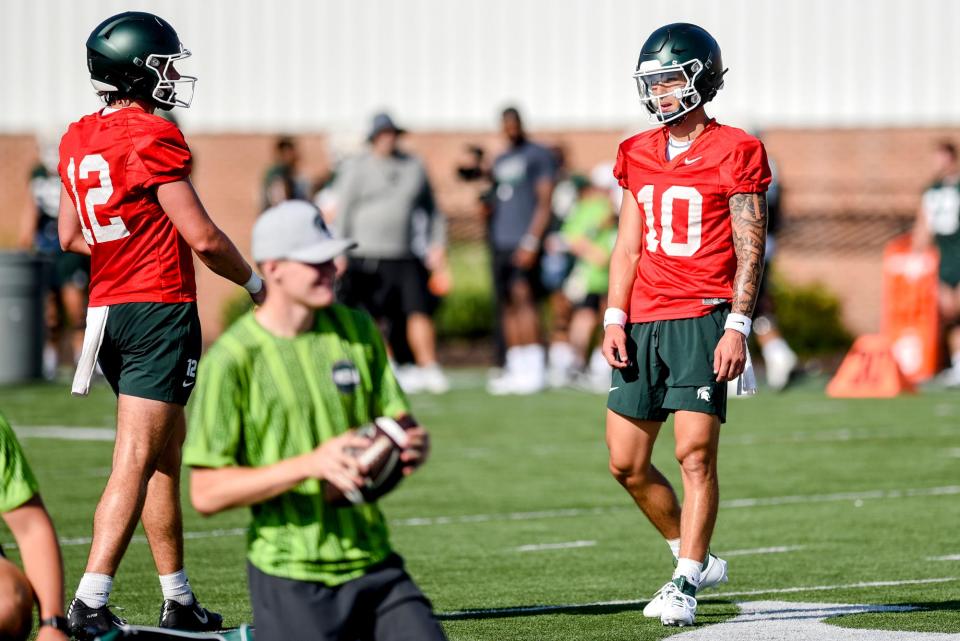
687 260
111 163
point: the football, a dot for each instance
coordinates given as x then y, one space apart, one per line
18 598
382 457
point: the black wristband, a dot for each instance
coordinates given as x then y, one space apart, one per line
58 622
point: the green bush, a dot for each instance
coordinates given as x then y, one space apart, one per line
468 311
809 317
235 307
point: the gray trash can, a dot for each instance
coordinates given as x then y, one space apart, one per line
22 327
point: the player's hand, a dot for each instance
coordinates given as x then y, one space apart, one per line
524 259
260 296
730 356
417 450
615 346
333 462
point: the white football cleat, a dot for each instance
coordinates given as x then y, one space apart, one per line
679 609
711 576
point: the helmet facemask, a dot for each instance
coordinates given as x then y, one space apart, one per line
651 72
170 92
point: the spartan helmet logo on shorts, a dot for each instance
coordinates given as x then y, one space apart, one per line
703 393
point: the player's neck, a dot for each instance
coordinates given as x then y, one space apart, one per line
691 127
136 103
283 317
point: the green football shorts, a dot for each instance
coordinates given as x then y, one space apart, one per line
671 368
151 350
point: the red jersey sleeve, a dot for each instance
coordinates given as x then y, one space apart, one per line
749 171
620 167
164 155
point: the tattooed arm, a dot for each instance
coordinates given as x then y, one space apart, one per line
748 218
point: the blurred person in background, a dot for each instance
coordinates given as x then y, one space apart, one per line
68 274
384 201
28 520
938 225
127 202
519 215
779 359
588 233
282 181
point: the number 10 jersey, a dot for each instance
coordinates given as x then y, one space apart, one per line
687 261
111 163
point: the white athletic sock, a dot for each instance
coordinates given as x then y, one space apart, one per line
94 589
777 348
176 587
674 547
688 569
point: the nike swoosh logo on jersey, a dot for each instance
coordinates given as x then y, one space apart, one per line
614 389
201 616
690 161
188 383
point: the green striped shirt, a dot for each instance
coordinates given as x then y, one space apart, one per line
261 399
17 482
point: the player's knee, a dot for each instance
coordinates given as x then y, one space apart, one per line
698 463
630 474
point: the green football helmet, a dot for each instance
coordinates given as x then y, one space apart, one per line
132 54
679 52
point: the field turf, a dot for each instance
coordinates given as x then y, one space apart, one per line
516 530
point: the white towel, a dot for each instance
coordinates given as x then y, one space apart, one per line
92 338
746 383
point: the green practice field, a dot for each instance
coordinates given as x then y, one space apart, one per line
516 530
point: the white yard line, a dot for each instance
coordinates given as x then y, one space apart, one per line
948 557
65 433
554 546
728 504
535 609
203 534
751 551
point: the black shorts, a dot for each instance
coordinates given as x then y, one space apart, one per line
383 605
151 350
505 274
590 301
386 286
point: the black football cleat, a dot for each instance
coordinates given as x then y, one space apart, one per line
87 623
189 618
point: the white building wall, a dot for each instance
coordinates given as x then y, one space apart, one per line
302 65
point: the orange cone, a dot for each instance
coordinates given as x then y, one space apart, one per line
869 370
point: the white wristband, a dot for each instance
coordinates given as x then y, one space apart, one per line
614 316
255 284
738 323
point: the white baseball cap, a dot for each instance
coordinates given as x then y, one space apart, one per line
295 230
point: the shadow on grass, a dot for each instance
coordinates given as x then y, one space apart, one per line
924 616
707 615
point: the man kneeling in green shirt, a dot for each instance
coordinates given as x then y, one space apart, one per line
277 398
24 513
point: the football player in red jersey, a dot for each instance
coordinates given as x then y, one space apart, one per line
684 276
127 201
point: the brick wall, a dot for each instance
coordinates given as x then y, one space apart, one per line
846 192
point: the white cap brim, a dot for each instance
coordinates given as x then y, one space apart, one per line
321 252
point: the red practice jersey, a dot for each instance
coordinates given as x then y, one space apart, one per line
111 164
687 261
